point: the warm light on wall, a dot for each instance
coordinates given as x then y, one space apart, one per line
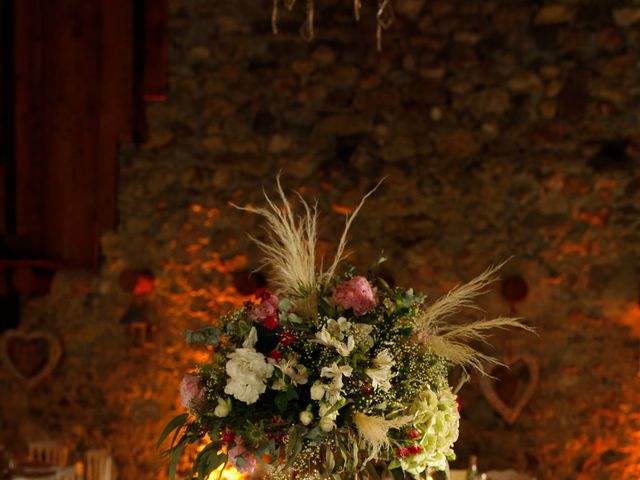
229 473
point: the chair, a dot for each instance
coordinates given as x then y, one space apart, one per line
99 465
48 452
68 473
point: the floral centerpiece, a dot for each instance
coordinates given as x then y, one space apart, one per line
329 374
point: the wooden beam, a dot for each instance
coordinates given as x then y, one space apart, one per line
116 101
156 50
29 118
7 174
71 135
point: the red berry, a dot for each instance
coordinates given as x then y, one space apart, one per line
402 452
367 390
275 354
413 434
286 339
228 436
270 323
413 449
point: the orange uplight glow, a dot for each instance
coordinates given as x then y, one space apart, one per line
229 473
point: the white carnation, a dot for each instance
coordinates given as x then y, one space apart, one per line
248 372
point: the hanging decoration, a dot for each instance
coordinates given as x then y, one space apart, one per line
384 17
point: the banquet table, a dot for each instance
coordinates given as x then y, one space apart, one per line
41 472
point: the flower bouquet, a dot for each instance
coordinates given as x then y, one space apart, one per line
331 373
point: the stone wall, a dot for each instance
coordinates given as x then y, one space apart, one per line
504 128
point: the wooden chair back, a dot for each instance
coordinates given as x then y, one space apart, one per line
99 465
51 453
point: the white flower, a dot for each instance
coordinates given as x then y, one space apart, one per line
317 390
364 333
279 384
306 417
248 371
345 350
326 424
338 327
292 369
335 372
437 419
328 414
328 411
251 339
381 373
223 408
325 338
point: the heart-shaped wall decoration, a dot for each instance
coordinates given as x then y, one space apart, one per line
29 357
508 393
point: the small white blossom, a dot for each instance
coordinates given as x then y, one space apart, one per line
317 390
306 417
223 408
326 424
328 414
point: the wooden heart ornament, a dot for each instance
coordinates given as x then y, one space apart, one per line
508 392
29 357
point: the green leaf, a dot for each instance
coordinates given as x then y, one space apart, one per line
176 422
329 462
284 305
200 463
207 336
315 434
373 473
354 454
337 406
214 463
406 332
292 394
176 453
281 401
224 465
325 308
384 285
378 261
294 447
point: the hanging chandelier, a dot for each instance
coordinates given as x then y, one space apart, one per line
384 17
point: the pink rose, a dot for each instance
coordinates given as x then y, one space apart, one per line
190 391
249 459
268 306
357 294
